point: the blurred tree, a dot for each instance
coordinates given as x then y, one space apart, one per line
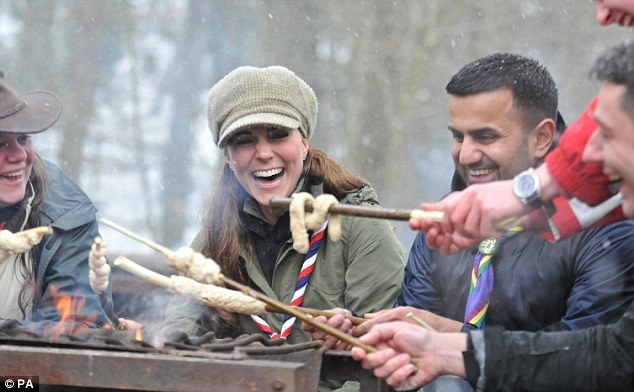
91 38
36 53
182 83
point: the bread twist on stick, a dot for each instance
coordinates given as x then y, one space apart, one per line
22 241
207 294
185 260
302 221
177 284
195 265
99 274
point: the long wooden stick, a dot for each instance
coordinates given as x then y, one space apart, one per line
159 248
144 273
159 279
308 319
293 311
364 211
327 313
163 281
420 321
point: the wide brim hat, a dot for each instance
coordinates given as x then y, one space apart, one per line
251 96
32 112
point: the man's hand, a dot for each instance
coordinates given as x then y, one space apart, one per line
338 321
478 212
408 356
408 314
129 325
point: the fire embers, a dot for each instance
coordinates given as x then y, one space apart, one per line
70 317
14 333
68 333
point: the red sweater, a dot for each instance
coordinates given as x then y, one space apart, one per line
581 180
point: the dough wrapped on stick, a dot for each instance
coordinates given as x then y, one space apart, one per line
303 220
22 241
185 260
195 265
243 300
207 294
181 259
99 278
99 269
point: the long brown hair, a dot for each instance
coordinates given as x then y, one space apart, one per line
223 232
35 189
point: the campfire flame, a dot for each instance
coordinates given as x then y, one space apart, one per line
72 320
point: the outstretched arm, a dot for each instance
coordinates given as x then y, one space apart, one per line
478 212
482 210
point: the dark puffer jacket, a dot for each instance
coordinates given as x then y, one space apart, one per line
597 359
585 280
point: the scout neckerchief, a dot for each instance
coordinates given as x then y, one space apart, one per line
482 279
300 287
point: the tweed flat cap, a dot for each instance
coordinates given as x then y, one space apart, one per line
250 96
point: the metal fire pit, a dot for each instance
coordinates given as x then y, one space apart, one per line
115 360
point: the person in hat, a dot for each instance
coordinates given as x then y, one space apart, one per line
263 119
34 192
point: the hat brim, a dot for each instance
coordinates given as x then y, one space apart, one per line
263 119
41 111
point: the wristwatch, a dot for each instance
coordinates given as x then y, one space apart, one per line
526 188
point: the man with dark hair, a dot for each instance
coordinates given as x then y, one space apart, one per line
600 358
582 195
502 115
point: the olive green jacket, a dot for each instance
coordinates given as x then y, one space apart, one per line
362 272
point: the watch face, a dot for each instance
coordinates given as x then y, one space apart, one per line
525 185
526 188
